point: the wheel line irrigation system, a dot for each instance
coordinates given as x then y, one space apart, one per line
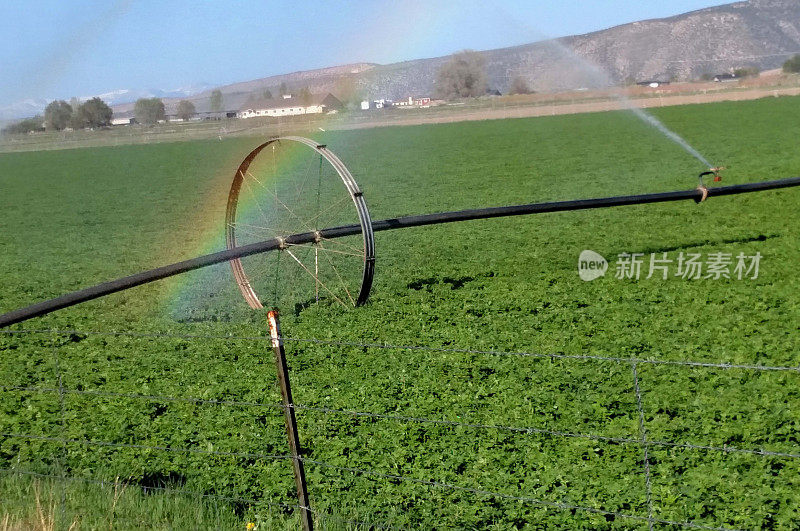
698 195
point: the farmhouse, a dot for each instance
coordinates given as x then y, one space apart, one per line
290 105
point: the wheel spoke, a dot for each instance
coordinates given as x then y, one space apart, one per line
314 276
257 202
359 250
305 178
284 202
290 211
344 284
327 209
254 228
318 246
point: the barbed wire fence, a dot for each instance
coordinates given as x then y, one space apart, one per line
41 447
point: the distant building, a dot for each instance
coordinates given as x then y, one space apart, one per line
123 119
412 102
653 83
365 105
725 78
288 105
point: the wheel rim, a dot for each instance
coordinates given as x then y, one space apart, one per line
274 195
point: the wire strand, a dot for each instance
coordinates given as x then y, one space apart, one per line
482 492
155 398
141 446
425 420
584 357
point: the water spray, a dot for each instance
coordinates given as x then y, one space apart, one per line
600 77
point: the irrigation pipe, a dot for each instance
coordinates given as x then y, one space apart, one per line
106 288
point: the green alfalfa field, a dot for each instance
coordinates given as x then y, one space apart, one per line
74 218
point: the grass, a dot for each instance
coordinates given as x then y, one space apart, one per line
97 506
50 504
73 218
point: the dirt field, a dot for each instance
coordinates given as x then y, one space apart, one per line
577 108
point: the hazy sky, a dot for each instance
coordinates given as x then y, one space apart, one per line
58 49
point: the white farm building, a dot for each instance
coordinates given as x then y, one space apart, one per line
289 105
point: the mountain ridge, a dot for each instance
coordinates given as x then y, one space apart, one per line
711 40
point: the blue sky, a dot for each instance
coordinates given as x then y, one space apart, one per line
55 49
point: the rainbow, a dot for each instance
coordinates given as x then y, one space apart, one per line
207 235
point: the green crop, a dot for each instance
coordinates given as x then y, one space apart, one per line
74 218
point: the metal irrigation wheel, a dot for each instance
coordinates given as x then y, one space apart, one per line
291 185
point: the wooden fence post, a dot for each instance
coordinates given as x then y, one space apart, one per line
291 421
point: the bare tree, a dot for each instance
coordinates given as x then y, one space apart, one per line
149 110
519 86
305 96
185 110
463 76
347 92
216 100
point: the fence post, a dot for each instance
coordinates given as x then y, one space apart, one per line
289 417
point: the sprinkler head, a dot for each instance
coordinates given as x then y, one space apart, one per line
712 171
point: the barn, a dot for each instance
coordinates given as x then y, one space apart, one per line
289 105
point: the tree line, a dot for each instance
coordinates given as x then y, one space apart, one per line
463 75
93 113
59 114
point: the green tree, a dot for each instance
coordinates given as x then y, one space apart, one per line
25 126
519 86
267 94
57 115
149 110
92 113
283 89
185 110
463 76
216 100
750 71
792 65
